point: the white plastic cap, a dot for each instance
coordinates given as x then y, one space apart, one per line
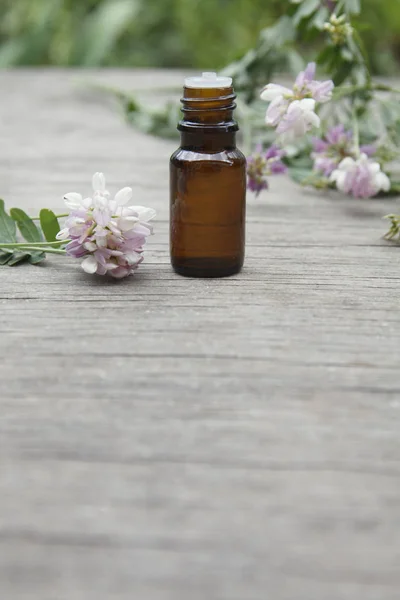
208 80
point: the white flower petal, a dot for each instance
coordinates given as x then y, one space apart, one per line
334 175
99 182
126 211
100 201
306 104
73 200
87 202
133 258
144 214
113 227
341 181
313 119
293 106
276 111
120 273
89 265
347 164
101 270
272 91
374 168
63 234
123 196
102 216
127 223
382 181
91 246
101 237
110 266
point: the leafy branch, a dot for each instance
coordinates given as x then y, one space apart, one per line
39 240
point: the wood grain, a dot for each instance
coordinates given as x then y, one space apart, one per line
165 438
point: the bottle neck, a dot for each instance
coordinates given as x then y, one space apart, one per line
208 122
207 140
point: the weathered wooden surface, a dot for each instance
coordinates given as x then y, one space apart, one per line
172 439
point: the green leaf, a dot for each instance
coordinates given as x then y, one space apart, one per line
49 224
353 6
18 257
27 227
295 61
357 39
8 230
36 257
105 25
326 55
299 175
302 160
306 8
346 54
8 235
5 256
320 18
342 73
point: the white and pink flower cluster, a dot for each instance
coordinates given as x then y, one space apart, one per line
292 111
338 156
360 177
353 170
107 233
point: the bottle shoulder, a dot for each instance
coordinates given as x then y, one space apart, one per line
226 155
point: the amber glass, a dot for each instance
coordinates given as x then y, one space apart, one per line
208 187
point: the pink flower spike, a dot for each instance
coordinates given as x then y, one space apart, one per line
108 236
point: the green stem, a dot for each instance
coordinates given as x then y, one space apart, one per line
381 87
57 217
343 91
21 247
38 245
356 134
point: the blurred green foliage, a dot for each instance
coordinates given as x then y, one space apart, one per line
163 33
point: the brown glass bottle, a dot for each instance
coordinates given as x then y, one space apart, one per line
207 183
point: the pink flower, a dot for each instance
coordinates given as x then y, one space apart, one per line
292 111
330 150
106 233
262 164
299 118
362 178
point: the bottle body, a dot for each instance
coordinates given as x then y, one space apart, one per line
207 212
207 191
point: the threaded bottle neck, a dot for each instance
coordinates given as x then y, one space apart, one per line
208 108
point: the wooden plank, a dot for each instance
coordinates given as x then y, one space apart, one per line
164 438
